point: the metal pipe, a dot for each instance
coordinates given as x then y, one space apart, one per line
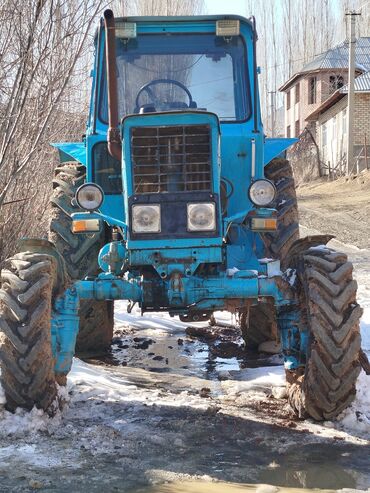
255 70
113 134
97 71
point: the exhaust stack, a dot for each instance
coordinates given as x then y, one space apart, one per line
113 134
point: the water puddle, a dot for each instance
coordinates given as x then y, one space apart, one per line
159 345
220 487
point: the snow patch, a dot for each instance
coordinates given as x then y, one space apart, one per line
290 275
24 422
319 248
357 415
254 378
365 330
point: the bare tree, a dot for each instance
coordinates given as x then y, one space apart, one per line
158 7
41 42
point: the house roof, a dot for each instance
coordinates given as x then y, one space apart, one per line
335 59
362 85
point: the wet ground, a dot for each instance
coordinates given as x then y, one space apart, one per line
167 406
194 349
172 404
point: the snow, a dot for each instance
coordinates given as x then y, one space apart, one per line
365 329
319 248
231 272
291 276
24 422
263 378
357 416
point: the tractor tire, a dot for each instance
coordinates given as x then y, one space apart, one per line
262 318
327 291
26 359
277 244
80 253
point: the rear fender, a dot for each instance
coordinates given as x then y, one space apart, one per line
71 151
275 148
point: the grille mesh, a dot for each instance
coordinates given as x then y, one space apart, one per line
171 159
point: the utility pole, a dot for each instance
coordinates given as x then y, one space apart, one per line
351 88
272 110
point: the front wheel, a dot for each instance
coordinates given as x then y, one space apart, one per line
327 383
26 359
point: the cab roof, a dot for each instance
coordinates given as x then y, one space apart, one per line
186 18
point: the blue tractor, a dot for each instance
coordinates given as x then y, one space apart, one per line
175 200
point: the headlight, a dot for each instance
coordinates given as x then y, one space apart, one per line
201 217
89 196
262 192
146 218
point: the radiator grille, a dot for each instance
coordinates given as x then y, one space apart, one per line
171 159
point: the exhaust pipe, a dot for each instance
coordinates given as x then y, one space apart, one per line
113 134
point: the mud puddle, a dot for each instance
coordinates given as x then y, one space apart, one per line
209 352
212 487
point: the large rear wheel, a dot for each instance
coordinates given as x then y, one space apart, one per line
26 359
80 253
260 324
327 384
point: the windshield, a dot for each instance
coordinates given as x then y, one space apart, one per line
170 72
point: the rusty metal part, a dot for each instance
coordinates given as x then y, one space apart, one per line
113 134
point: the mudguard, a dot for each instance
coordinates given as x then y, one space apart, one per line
71 151
275 147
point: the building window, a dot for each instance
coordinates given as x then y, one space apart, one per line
297 128
288 100
335 82
297 95
288 131
312 85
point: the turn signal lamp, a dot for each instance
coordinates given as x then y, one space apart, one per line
228 27
262 224
86 226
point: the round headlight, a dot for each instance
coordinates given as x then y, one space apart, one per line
89 196
262 192
201 217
